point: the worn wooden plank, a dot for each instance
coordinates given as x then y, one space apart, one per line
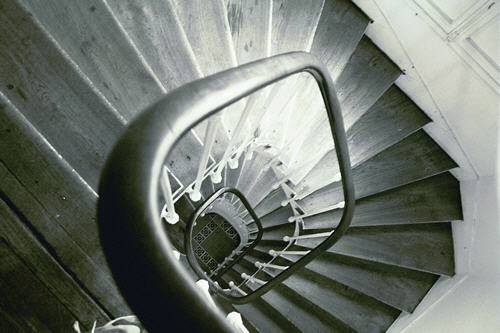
361 312
393 117
317 143
299 310
10 323
364 79
302 313
425 247
399 287
184 158
50 92
293 25
249 22
252 171
277 232
262 187
277 217
434 199
157 33
25 244
207 29
50 179
90 35
96 278
264 317
26 299
414 158
339 30
271 202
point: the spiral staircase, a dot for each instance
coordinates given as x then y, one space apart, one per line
74 74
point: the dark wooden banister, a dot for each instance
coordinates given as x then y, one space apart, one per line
137 248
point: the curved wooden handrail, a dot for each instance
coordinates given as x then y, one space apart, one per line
132 234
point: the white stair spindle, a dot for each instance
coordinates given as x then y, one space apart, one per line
282 253
262 265
210 133
318 235
171 216
233 286
252 279
318 211
217 174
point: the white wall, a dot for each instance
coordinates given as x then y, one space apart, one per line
457 88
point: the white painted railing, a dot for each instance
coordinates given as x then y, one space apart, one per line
171 216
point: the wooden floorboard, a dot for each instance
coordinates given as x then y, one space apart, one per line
41 263
45 189
50 92
250 30
90 35
28 301
159 38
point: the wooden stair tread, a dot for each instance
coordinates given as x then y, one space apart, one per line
50 93
413 158
277 233
367 75
32 252
210 37
271 202
398 287
28 302
357 310
252 171
90 35
95 276
264 317
157 33
51 180
262 187
339 30
434 199
184 158
250 28
424 247
305 312
277 217
293 24
393 117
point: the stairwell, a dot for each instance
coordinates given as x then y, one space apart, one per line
74 74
